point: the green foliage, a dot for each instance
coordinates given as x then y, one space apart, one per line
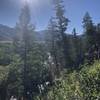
83 85
52 43
89 30
5 54
76 48
98 34
26 65
14 80
90 80
61 27
4 70
37 70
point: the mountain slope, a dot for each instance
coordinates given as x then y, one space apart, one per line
6 33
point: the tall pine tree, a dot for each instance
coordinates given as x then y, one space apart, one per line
89 30
32 54
24 41
62 23
52 39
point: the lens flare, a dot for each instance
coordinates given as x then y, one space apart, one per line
30 1
26 1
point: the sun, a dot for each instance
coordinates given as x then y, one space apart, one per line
30 1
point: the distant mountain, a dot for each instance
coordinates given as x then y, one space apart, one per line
6 33
40 35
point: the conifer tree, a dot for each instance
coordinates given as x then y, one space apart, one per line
89 30
25 40
52 38
77 49
98 34
62 23
32 54
75 46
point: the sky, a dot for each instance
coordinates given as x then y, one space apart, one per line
42 10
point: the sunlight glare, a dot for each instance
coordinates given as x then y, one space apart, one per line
29 1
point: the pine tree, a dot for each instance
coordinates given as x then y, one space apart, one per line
52 37
62 23
75 46
77 49
98 34
32 54
14 79
89 30
25 40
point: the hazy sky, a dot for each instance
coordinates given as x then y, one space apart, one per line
42 10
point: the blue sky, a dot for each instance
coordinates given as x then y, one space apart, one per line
42 10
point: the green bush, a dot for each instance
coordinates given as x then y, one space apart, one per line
81 85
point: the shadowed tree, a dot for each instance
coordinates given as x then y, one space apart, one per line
89 30
52 37
62 23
